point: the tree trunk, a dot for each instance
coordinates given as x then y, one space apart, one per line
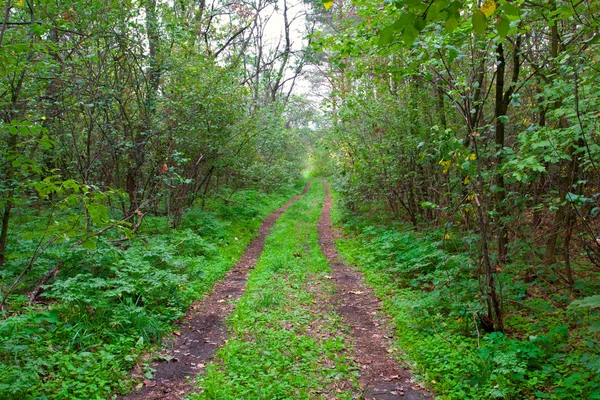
500 195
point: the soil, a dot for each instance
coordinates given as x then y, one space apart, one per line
381 377
203 329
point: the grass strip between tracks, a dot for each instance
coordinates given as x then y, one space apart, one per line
286 341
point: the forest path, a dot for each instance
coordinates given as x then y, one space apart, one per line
203 330
285 339
381 377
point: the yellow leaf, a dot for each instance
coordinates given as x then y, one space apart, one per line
473 156
447 236
327 4
488 8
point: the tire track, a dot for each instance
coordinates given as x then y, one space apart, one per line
381 377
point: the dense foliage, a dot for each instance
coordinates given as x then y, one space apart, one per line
547 350
141 143
109 304
138 141
476 122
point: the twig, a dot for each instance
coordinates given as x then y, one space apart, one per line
477 329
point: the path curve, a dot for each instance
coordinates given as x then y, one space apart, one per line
203 329
381 377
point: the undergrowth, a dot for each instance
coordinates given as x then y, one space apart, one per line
285 340
548 350
110 304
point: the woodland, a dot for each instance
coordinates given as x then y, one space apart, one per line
143 143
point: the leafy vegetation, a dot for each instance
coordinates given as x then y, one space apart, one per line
140 150
285 340
112 303
478 118
137 159
549 351
462 141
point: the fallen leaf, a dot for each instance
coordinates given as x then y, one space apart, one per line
176 333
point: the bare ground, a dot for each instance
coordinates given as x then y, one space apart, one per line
381 377
203 329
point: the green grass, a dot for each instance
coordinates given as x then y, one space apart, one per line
111 305
285 340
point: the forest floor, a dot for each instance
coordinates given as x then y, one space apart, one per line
342 319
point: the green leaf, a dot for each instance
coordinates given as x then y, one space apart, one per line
453 9
479 22
89 243
502 27
451 24
576 198
409 35
594 39
386 35
452 53
98 213
419 24
403 21
510 9
586 302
